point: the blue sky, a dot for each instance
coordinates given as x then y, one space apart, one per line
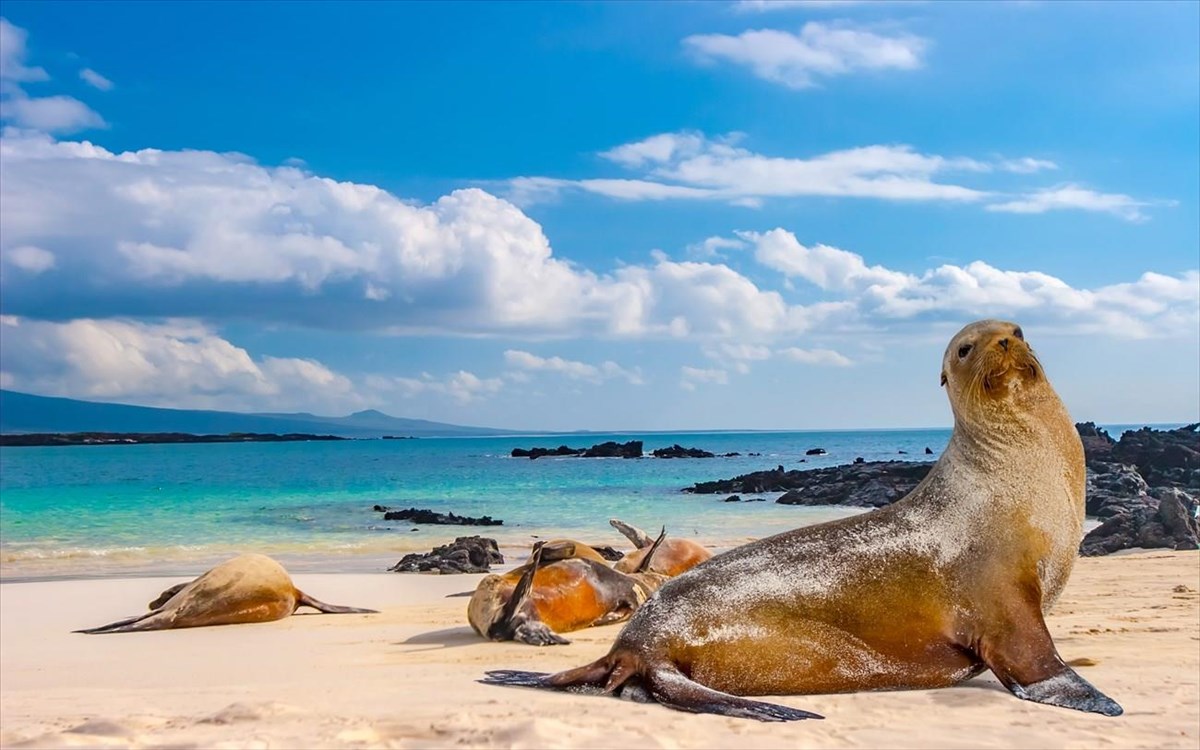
601 216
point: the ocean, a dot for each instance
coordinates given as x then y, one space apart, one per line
92 511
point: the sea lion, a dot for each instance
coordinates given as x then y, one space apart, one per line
535 602
676 555
248 588
949 581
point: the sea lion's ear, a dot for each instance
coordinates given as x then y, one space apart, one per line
943 377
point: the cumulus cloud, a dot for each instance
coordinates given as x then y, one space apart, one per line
1077 198
815 356
1153 305
819 50
573 369
690 377
202 234
180 364
28 258
95 80
50 114
1026 165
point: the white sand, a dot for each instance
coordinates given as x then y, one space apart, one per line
406 677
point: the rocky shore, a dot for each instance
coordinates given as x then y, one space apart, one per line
1143 487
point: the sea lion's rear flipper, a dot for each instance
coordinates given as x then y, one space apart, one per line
1021 654
665 685
518 621
304 600
644 566
149 621
632 533
166 596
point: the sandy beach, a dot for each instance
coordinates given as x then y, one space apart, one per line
406 677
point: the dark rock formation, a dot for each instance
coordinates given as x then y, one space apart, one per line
421 515
860 460
1164 458
468 554
1097 444
610 449
678 451
1114 488
733 499
138 438
869 484
815 452
928 451
1170 524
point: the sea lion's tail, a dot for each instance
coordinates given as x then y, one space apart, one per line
304 600
621 675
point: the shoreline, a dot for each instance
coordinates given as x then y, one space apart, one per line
405 678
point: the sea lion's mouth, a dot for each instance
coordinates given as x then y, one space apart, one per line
1005 363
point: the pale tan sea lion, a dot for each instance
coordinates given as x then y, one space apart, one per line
949 581
538 600
674 557
248 588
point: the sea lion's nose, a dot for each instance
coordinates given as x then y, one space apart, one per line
1004 344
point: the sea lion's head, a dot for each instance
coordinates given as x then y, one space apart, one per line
989 369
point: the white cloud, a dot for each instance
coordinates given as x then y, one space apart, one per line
179 364
29 258
711 247
1155 305
95 80
462 386
12 55
571 368
815 356
691 376
196 233
49 114
818 51
1079 198
1026 165
692 166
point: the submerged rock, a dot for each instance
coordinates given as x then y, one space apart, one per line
815 452
467 554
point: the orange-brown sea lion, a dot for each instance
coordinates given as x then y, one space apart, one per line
674 557
949 581
248 588
535 602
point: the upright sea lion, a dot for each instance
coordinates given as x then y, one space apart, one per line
949 581
674 557
248 588
535 602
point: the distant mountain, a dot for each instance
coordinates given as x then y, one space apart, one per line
26 413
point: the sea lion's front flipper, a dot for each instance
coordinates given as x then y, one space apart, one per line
1022 655
166 596
632 533
559 550
304 600
518 620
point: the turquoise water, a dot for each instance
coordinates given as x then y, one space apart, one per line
104 510
130 509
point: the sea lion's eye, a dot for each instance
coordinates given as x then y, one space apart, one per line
1018 333
964 350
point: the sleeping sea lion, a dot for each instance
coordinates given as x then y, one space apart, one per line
535 602
248 588
676 556
949 581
